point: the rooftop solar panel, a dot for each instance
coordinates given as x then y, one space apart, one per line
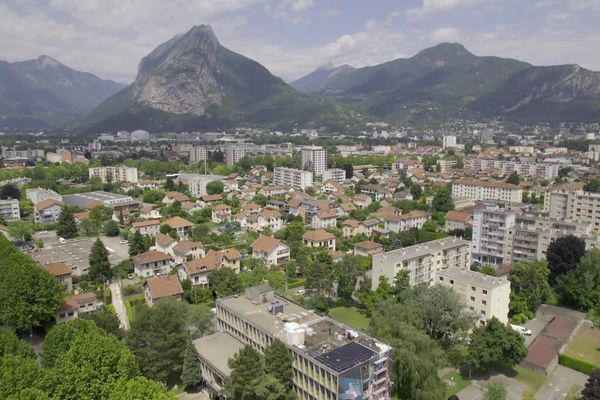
346 356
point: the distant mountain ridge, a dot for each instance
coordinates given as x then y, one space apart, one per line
193 82
43 93
447 81
317 80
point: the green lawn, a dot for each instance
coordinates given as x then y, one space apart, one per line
351 316
533 379
456 382
586 345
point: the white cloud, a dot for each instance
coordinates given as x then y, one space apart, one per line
300 5
445 34
435 6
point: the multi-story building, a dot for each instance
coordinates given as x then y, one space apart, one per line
487 296
573 205
331 360
295 178
197 182
9 210
421 261
114 174
233 154
38 195
334 174
314 158
197 154
484 190
505 168
448 141
27 154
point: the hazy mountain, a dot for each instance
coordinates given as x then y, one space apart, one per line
44 93
318 80
449 81
192 82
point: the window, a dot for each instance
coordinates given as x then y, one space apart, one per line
473 288
472 298
452 281
484 302
482 312
441 278
484 292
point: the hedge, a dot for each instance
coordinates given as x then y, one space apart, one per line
297 284
577 364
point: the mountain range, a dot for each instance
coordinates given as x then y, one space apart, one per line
192 82
447 81
43 93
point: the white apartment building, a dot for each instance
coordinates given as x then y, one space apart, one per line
197 154
448 141
335 174
9 210
197 182
295 178
114 174
487 296
421 261
233 154
505 168
484 190
314 158
574 205
38 195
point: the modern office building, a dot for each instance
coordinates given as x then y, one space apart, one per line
89 200
233 154
197 154
295 178
331 361
487 190
114 174
334 174
314 158
487 296
421 261
9 210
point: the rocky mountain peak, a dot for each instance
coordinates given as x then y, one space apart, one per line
45 61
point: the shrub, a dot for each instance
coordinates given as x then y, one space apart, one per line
577 364
107 296
132 290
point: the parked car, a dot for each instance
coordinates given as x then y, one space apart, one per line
522 330
62 240
124 242
130 276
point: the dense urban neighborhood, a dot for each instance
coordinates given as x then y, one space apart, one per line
256 265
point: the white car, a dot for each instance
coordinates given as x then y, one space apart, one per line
62 240
522 330
124 242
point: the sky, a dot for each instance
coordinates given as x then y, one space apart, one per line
293 37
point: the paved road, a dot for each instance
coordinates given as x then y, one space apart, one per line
121 251
559 383
117 300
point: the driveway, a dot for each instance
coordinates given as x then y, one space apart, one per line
558 384
119 304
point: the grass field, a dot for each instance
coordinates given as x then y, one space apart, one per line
350 316
456 382
586 345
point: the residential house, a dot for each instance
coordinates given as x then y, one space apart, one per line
190 207
152 263
162 287
458 220
376 192
319 238
149 212
324 219
367 248
331 186
181 226
221 213
187 250
346 208
148 227
274 251
164 243
209 199
362 200
274 190
197 270
271 219
172 197
76 305
399 223
47 210
63 275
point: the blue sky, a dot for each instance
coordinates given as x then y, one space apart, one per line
293 37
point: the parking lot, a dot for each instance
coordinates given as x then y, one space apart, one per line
74 253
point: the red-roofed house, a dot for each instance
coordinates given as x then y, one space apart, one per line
162 287
274 251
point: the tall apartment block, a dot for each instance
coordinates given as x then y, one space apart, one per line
574 205
422 261
331 360
335 174
314 158
485 190
448 141
487 296
233 154
197 154
114 174
295 178
9 210
505 168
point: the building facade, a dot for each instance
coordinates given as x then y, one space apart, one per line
314 158
114 174
197 154
234 154
9 210
334 174
295 178
487 190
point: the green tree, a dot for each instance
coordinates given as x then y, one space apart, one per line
591 391
495 391
493 343
19 376
442 200
592 185
563 255
66 227
60 338
247 370
106 321
401 283
29 295
169 185
20 231
140 388
529 281
10 191
346 273
111 228
269 388
100 214
416 192
94 362
224 282
278 363
513 178
191 373
199 320
11 344
99 265
580 287
136 243
158 338
319 278
215 187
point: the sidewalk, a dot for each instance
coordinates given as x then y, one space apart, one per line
117 301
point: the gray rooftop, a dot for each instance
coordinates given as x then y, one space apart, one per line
422 249
473 277
218 348
81 199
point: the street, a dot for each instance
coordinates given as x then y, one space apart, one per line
119 304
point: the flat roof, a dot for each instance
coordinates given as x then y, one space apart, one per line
422 249
217 349
346 357
474 277
81 199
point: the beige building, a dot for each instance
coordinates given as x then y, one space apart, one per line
573 205
421 261
197 154
319 238
331 361
314 158
114 174
334 174
147 227
487 190
295 178
487 296
273 251
234 154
